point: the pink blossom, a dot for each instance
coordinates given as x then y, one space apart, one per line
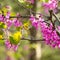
8 23
8 15
10 46
49 34
17 23
34 21
50 5
58 27
1 18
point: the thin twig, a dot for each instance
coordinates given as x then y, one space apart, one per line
51 14
55 17
19 16
32 40
26 17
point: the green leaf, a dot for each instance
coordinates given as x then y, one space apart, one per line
1 25
13 41
18 28
21 1
29 6
45 0
2 41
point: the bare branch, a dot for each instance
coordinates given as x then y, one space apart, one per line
32 40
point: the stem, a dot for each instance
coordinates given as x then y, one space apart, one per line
51 13
32 40
56 18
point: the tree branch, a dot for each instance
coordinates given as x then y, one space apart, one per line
51 14
55 17
32 40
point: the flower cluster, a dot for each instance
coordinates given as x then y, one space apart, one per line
49 34
51 37
14 41
50 5
8 22
36 21
10 46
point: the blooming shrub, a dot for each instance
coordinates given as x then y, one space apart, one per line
49 32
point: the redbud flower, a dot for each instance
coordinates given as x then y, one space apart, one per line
10 46
50 5
9 23
1 18
17 23
49 35
8 15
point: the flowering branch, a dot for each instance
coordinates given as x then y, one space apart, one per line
49 32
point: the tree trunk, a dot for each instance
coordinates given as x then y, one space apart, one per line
35 52
33 35
38 35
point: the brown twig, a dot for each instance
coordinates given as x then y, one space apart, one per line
32 40
56 18
51 14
